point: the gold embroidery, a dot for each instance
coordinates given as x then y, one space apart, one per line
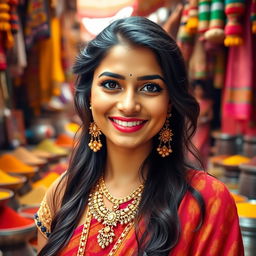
44 215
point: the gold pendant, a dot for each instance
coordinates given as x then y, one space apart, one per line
106 236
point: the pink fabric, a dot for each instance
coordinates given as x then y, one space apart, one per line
240 86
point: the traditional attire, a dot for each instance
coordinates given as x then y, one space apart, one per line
219 234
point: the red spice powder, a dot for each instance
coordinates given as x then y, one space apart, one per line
31 210
11 219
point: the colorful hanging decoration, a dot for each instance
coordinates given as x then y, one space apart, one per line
14 20
215 32
5 26
37 22
183 33
192 22
204 7
253 16
234 10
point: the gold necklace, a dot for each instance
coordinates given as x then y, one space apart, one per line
110 218
85 232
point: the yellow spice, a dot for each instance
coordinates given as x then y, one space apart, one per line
7 179
236 160
4 194
246 209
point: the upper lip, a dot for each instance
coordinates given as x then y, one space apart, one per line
126 119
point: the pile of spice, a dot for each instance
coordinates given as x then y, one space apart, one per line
49 146
246 209
34 196
236 160
218 159
47 180
5 178
11 164
42 154
4 194
63 140
71 127
28 157
29 211
11 219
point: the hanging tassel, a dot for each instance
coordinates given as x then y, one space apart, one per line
203 15
192 22
215 33
5 26
234 10
183 35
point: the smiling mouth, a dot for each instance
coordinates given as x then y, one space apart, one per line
125 125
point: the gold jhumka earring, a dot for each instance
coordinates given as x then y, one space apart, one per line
95 142
165 137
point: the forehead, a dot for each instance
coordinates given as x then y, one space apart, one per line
126 58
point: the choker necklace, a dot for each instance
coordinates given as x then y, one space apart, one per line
110 218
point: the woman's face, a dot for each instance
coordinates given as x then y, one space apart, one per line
129 97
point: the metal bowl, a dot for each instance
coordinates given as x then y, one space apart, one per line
12 236
22 211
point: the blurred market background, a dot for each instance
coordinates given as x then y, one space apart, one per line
39 40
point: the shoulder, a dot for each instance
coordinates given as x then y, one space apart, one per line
55 193
50 204
214 192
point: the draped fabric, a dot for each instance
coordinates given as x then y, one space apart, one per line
103 9
219 234
239 106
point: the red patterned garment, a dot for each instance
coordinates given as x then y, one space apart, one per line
218 236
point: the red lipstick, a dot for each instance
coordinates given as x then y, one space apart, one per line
127 125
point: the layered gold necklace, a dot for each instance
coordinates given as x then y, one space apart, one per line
109 217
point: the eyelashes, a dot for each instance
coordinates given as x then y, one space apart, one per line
152 87
110 85
149 87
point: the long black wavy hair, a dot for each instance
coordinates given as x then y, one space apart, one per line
166 182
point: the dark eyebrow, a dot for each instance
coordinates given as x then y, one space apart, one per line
141 78
150 77
114 75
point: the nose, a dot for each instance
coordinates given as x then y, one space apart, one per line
128 103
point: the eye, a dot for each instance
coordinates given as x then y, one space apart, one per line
110 85
151 87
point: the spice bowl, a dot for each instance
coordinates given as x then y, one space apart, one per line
28 211
230 176
27 174
6 195
247 222
14 185
12 236
247 181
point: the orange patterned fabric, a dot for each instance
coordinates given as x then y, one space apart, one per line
219 235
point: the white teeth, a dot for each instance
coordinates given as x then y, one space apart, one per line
127 124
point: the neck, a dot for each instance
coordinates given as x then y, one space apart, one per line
123 169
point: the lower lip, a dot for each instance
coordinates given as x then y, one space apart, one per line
127 129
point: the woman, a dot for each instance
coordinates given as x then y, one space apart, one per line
128 189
